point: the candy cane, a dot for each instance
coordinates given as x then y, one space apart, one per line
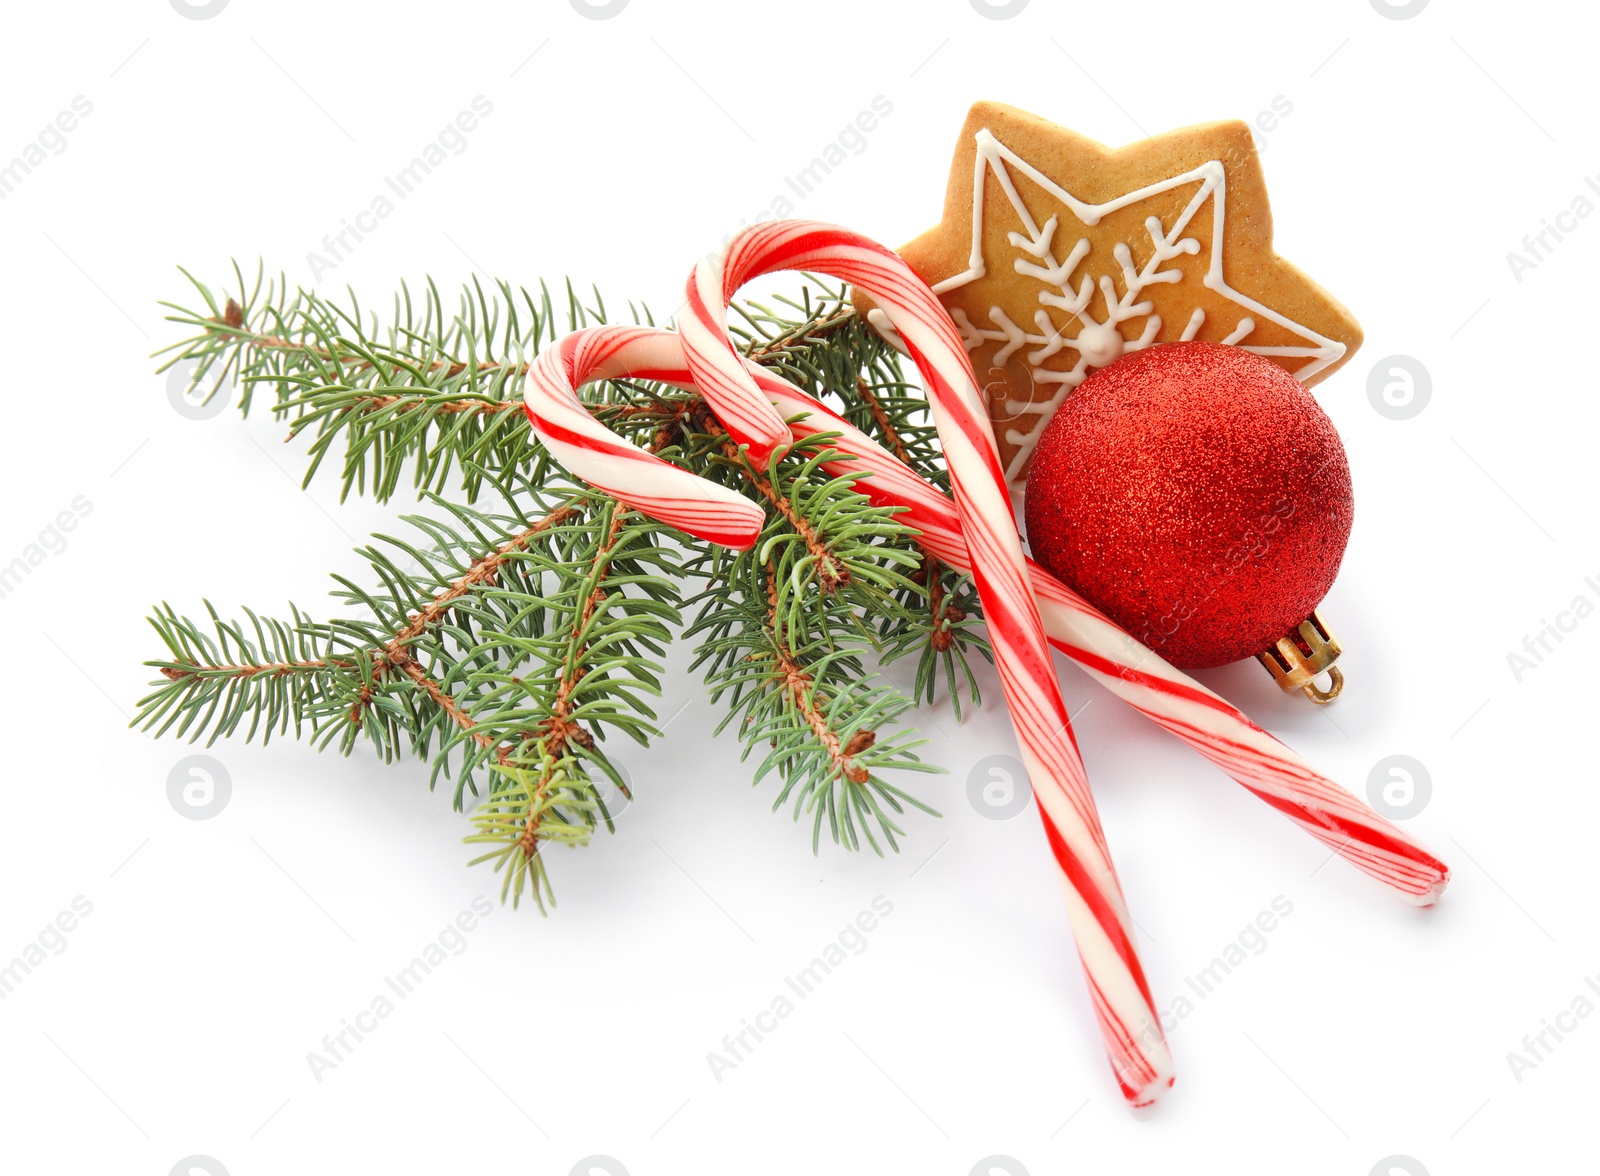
1095 905
1208 723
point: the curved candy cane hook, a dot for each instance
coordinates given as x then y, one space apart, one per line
616 465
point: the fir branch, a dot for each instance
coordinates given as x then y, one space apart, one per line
532 809
941 624
416 663
813 704
783 633
436 392
287 672
846 354
510 643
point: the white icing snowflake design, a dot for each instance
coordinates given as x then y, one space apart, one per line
1067 294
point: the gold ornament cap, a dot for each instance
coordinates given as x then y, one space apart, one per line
1299 658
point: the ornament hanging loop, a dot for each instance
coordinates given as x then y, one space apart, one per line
1320 696
1298 658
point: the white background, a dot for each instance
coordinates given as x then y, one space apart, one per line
178 1018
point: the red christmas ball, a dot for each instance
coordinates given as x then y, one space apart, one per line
1197 495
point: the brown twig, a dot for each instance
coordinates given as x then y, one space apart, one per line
396 652
393 653
233 319
482 571
890 435
251 670
809 701
940 637
831 574
558 728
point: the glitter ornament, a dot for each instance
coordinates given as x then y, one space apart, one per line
1198 495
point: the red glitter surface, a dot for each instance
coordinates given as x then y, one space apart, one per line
1197 495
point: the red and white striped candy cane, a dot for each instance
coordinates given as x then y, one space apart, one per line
1095 906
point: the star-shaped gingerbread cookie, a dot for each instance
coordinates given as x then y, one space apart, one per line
1057 255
